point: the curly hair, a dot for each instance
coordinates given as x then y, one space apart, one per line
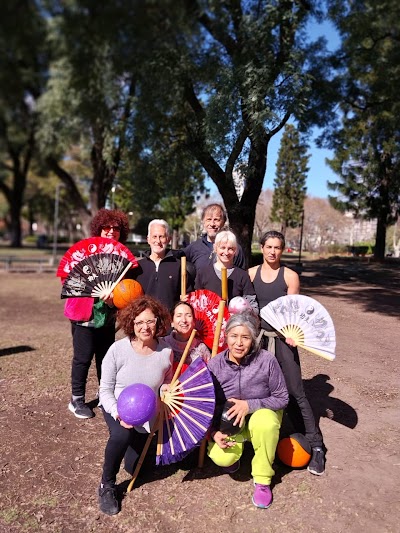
105 217
127 316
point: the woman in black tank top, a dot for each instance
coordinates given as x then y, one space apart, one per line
271 280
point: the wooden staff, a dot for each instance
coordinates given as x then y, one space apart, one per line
158 424
183 276
218 326
144 452
164 413
221 308
224 284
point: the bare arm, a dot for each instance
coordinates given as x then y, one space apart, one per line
292 281
252 272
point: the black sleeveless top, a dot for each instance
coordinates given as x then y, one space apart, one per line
266 292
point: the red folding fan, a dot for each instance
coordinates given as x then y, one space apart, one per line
205 304
92 267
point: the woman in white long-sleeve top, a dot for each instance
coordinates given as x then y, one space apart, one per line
140 357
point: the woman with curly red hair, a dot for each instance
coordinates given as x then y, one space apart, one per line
88 340
140 357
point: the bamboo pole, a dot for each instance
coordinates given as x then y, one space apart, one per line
218 326
183 276
158 424
144 452
221 309
224 284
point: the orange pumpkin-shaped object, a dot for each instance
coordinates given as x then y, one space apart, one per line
294 451
126 291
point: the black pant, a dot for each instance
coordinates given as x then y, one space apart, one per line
88 342
299 409
122 442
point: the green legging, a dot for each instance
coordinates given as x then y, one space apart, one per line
262 430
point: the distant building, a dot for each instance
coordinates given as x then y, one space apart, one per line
358 230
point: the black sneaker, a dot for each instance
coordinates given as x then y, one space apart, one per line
108 500
80 409
317 463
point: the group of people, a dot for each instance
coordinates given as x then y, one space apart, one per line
259 372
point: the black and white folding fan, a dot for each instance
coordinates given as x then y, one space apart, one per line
93 267
304 320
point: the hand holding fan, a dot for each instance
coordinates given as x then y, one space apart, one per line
93 267
206 308
304 320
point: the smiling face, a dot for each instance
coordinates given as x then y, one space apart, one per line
225 251
183 322
145 326
158 239
272 250
111 231
213 222
239 341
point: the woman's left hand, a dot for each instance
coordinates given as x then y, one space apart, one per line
238 411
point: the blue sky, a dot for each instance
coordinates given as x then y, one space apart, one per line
319 173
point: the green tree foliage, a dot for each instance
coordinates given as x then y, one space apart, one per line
291 175
231 74
23 74
367 144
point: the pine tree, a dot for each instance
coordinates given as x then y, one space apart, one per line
367 143
291 174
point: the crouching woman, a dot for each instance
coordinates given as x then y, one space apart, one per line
252 380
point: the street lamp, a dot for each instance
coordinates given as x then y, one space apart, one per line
301 237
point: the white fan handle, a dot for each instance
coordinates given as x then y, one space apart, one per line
107 294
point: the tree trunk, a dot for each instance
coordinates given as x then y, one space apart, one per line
380 241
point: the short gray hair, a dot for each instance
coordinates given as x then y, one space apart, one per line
158 222
249 320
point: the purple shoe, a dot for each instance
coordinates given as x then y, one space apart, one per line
262 496
231 469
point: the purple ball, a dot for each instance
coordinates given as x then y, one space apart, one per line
137 404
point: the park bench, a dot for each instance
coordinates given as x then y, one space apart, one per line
12 263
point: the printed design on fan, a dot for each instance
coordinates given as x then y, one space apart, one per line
92 249
94 275
305 317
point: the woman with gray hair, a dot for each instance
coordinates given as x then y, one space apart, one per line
251 380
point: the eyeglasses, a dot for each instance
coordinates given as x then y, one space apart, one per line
109 228
146 323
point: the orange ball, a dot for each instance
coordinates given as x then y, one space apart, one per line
126 291
294 451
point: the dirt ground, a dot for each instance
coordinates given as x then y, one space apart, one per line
51 461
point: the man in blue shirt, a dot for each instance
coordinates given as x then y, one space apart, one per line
200 251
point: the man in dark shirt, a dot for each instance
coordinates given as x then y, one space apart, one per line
200 251
159 272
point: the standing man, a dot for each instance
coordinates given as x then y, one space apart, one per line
272 280
159 272
200 252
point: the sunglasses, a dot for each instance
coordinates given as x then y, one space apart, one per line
109 228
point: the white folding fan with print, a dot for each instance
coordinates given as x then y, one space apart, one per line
304 320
